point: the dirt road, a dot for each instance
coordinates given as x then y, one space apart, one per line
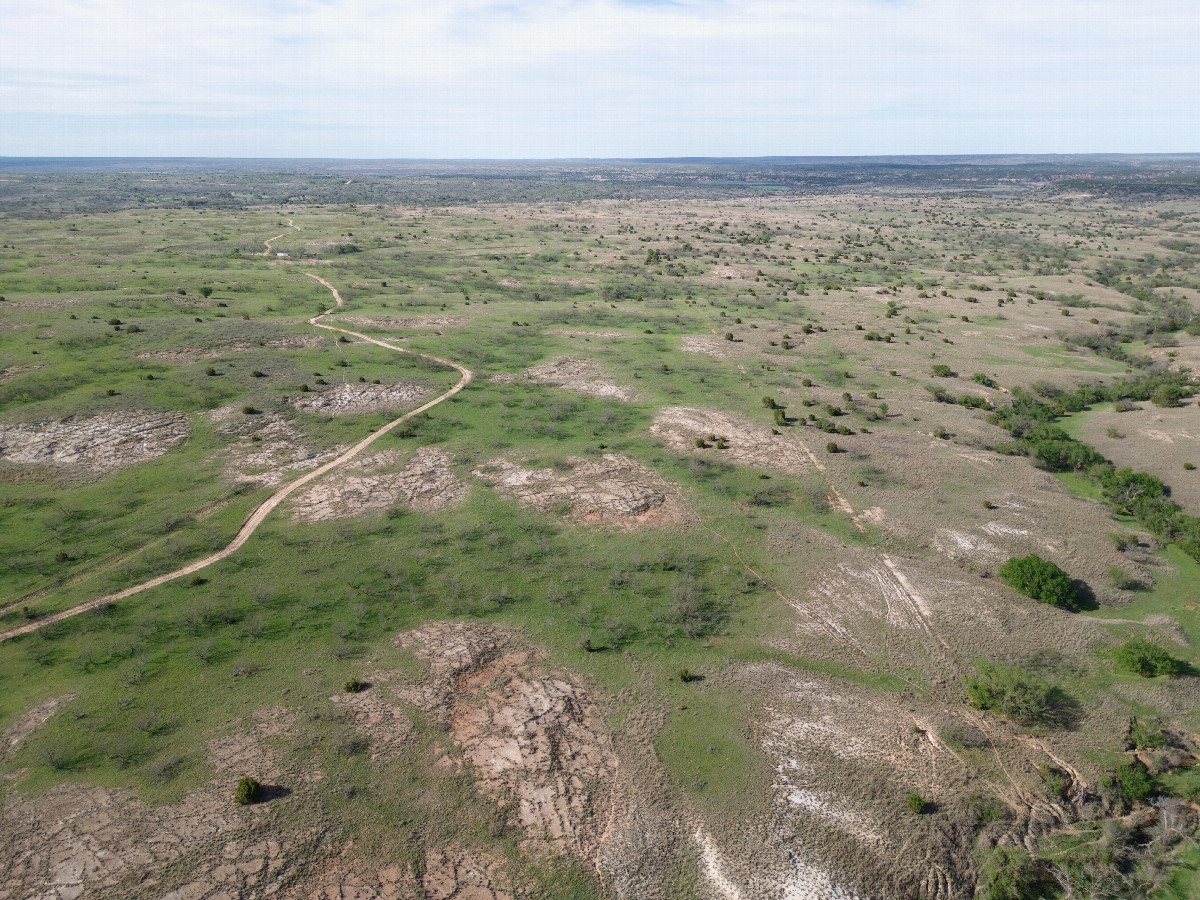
259 515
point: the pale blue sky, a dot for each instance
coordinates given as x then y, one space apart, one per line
596 78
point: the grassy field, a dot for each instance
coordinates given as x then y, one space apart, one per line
776 646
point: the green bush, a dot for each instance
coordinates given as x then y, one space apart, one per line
1120 579
248 791
1145 738
915 802
354 686
832 447
1010 691
1145 658
1040 579
1010 874
942 371
1133 782
1167 396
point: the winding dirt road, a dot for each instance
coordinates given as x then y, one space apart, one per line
270 241
260 514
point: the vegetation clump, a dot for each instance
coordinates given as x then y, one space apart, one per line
1040 579
248 791
1145 658
1010 691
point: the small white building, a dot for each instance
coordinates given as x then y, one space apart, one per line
279 254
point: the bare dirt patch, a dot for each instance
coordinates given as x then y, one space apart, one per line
579 374
426 483
746 442
30 721
79 841
279 449
357 399
98 444
382 721
388 322
14 371
535 739
294 342
1152 439
450 873
613 489
577 332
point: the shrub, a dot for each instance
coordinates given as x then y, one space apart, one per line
1010 874
685 675
1189 466
257 374
985 380
915 802
780 417
1120 579
988 504
250 411
729 335
832 447
1133 782
1040 579
354 686
1010 691
1167 396
1145 658
206 292
248 791
942 371
210 371
1144 738
700 444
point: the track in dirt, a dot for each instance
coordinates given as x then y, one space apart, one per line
260 514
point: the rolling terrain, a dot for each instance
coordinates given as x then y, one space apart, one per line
596 533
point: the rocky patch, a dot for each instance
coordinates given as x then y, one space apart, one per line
613 489
535 739
366 485
582 375
357 398
99 443
292 341
275 449
393 322
746 442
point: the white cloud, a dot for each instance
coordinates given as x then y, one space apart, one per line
596 77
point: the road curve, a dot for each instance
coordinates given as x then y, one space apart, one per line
270 241
260 514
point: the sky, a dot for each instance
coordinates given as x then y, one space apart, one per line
459 79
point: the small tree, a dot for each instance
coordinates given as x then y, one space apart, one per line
248 791
942 371
206 292
915 802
